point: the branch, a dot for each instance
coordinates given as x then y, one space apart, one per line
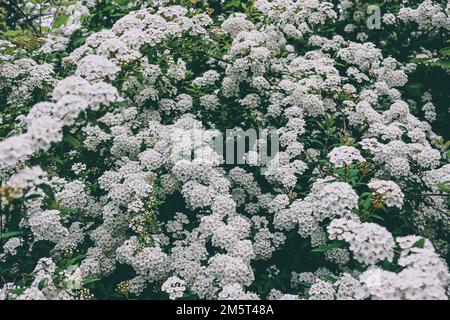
430 195
30 22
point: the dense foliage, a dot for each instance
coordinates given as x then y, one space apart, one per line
112 186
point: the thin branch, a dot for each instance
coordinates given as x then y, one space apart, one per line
30 22
430 195
58 6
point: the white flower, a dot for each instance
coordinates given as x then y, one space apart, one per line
389 192
175 287
344 156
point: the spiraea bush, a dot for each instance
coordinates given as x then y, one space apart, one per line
112 186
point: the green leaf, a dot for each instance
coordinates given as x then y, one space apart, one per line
329 278
72 141
444 186
42 284
445 51
376 216
57 160
18 291
60 20
48 191
420 243
352 173
68 211
10 234
414 88
90 281
443 63
79 41
122 2
104 127
333 245
367 203
76 259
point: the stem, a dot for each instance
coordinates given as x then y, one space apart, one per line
344 124
430 195
58 6
26 18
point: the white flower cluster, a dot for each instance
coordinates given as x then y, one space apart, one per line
10 247
22 182
322 290
427 15
332 198
344 156
389 191
424 276
175 287
369 242
59 38
22 77
46 120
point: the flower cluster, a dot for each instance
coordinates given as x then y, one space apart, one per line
345 156
369 242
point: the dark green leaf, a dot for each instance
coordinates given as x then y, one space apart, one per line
333 245
10 234
420 243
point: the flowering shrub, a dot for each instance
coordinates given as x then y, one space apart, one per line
113 183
